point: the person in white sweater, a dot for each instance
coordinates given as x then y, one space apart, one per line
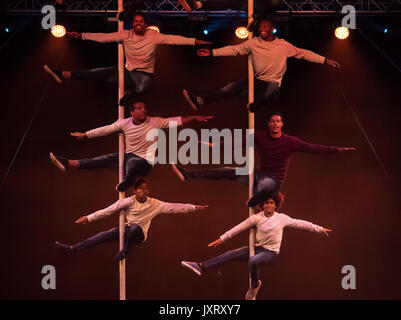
269 226
139 152
139 210
140 45
269 58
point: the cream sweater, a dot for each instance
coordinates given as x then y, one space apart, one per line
139 49
269 231
141 213
269 58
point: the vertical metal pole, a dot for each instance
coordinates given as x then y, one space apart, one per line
251 124
121 151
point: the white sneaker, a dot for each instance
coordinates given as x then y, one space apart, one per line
193 266
252 292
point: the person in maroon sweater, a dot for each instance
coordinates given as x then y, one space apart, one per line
275 149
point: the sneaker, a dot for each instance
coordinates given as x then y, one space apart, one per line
60 162
122 187
252 292
56 74
192 100
65 249
180 172
194 266
126 98
120 255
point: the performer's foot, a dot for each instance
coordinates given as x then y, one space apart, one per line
252 292
180 172
60 162
65 249
56 74
190 5
126 98
122 186
193 101
120 255
193 266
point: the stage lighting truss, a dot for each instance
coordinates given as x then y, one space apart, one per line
171 7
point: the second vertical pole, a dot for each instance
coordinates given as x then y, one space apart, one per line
121 152
251 125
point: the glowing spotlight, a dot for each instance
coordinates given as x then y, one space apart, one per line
242 32
7 30
205 31
154 28
385 30
274 30
342 33
58 31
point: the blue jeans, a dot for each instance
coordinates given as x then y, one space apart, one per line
265 92
262 257
136 81
134 166
262 183
133 236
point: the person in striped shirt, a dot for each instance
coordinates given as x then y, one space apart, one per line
269 226
139 151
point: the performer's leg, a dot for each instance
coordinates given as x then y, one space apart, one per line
104 236
137 83
107 74
230 89
108 161
133 236
265 93
262 257
231 255
134 167
214 174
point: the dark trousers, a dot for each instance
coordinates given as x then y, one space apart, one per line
134 166
133 236
262 257
262 183
265 92
136 81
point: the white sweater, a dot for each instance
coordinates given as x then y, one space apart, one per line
139 49
269 58
141 213
269 231
135 135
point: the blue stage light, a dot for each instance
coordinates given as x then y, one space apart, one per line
7 30
385 30
205 31
274 30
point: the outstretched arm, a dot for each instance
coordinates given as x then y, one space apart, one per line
240 49
309 56
305 225
98 132
167 207
118 36
307 147
190 119
179 40
115 207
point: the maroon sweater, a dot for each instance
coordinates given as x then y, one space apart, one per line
275 153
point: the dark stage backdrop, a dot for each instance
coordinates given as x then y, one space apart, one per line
349 193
